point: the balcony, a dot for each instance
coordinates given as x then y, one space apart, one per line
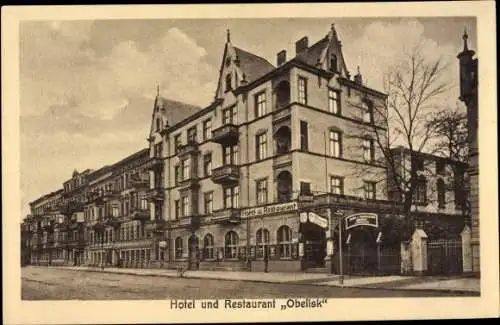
112 221
70 207
157 193
283 159
156 226
140 214
189 183
227 216
191 221
138 183
155 163
226 174
190 148
110 195
282 114
226 134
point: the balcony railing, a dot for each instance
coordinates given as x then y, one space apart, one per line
140 214
189 183
282 114
110 195
347 201
192 221
227 216
226 174
157 225
282 160
157 193
190 148
226 134
138 183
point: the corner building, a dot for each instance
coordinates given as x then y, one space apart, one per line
230 179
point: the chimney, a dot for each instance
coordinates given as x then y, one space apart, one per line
301 45
281 57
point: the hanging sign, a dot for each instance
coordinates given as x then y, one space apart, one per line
317 219
361 219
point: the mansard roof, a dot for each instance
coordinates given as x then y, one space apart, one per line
253 66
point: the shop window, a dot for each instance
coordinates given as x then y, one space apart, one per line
231 245
285 242
262 240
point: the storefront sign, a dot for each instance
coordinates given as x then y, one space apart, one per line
361 219
162 244
317 219
270 209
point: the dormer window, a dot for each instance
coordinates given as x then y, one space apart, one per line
229 85
158 124
333 63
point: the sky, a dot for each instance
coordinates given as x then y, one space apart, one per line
87 87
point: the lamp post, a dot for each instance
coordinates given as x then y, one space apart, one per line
340 214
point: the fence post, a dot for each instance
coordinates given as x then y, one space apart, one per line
405 258
466 250
419 251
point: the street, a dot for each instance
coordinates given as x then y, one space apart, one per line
40 283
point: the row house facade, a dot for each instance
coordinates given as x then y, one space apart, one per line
263 177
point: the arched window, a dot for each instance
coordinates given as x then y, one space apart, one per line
262 237
284 186
282 93
231 245
208 247
420 190
441 193
178 247
285 241
283 138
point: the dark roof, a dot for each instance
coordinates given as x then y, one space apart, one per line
253 66
312 54
175 111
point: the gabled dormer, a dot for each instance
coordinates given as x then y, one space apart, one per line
239 67
159 120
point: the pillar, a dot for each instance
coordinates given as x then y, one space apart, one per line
466 235
419 251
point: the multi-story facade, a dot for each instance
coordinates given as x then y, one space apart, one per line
262 176
439 195
468 95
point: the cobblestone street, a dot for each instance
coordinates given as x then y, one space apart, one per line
55 284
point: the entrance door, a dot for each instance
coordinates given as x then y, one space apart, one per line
314 239
193 250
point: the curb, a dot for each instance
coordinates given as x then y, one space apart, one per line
462 292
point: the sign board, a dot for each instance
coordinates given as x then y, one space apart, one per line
306 198
270 209
301 249
317 219
361 219
329 247
303 217
162 244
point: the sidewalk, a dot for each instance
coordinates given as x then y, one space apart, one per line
395 282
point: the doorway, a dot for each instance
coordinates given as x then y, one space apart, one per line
193 252
314 238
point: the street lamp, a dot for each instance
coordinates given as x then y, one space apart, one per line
340 214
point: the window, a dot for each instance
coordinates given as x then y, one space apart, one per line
230 155
333 63
367 108
229 85
207 129
305 188
261 144
441 194
262 191
335 144
208 202
440 167
337 185
368 150
231 197
420 190
158 150
260 104
285 242
208 247
262 240
231 245
334 101
185 206
178 247
158 124
177 174
304 141
417 163
370 188
186 170
207 164
177 211
302 90
229 116
177 143
192 134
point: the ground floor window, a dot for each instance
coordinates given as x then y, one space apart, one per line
285 241
208 246
178 247
262 240
231 245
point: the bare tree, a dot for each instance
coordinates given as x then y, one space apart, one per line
414 88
